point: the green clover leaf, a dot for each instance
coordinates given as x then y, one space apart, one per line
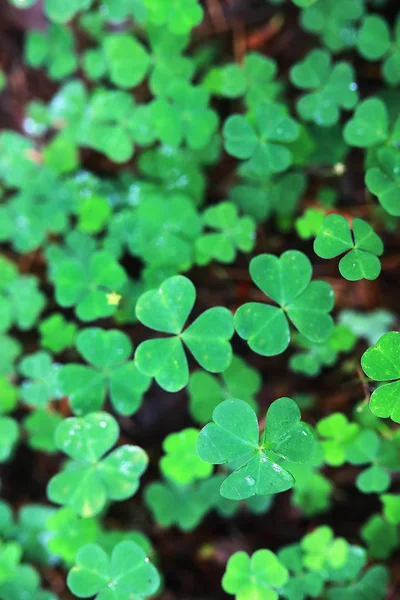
56 333
9 434
309 224
381 363
258 576
262 142
43 383
166 310
8 396
85 285
25 584
369 124
380 536
127 572
206 391
90 479
373 40
391 508
335 237
61 13
53 50
232 233
41 426
181 463
383 180
184 115
113 373
70 532
372 584
332 87
391 65
364 449
302 583
336 432
233 436
127 60
286 280
180 16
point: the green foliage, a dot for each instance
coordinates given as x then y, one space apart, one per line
335 237
53 50
259 576
181 463
287 281
380 363
127 571
90 479
166 310
256 460
332 88
113 374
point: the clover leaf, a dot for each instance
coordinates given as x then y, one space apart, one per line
9 434
258 576
313 357
371 585
309 224
302 583
41 426
364 449
335 237
43 383
126 59
56 333
53 50
368 325
336 432
113 373
232 233
334 21
262 142
206 391
332 87
380 536
166 310
381 363
86 285
286 280
25 584
61 13
383 180
321 548
374 42
180 16
127 572
181 463
69 532
233 436
391 508
369 124
184 115
90 479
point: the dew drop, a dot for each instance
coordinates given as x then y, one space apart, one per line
249 480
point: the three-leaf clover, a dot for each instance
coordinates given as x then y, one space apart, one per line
128 573
259 576
90 479
43 383
56 333
180 16
336 237
206 391
86 285
367 448
381 363
181 463
233 436
332 87
286 280
111 372
126 59
232 233
383 179
166 310
336 432
262 142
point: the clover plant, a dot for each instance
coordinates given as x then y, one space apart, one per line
174 175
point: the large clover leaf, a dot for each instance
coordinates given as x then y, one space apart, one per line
91 479
166 310
233 436
127 574
87 284
260 576
331 88
335 237
382 363
383 179
286 280
263 142
113 373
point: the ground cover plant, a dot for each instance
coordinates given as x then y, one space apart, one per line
199 322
